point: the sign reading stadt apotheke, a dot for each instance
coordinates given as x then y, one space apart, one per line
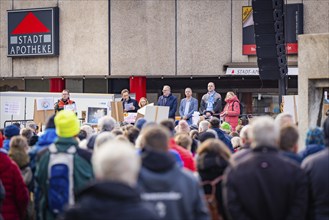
33 32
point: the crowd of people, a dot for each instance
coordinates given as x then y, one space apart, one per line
212 170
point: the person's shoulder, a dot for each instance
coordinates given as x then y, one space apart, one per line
315 158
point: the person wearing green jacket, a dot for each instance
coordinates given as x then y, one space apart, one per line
62 169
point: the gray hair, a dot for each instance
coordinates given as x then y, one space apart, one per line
244 137
116 161
263 132
203 126
282 119
88 129
106 123
102 138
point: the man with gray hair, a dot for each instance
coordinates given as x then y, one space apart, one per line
174 193
106 123
264 184
114 195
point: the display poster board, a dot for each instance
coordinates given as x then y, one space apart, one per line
45 104
95 113
41 116
12 107
156 113
117 111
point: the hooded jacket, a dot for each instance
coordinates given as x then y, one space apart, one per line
174 193
110 200
232 108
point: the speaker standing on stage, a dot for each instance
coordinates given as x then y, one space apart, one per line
65 100
167 99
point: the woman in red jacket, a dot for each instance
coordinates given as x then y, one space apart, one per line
231 111
16 196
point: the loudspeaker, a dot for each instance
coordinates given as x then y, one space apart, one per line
269 36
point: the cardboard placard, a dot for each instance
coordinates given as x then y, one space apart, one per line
95 113
41 117
117 111
156 113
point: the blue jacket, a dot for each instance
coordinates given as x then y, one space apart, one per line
6 145
310 149
221 136
170 101
47 138
193 107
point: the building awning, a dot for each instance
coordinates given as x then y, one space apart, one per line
251 68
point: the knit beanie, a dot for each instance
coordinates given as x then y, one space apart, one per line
139 123
225 127
10 131
67 124
315 136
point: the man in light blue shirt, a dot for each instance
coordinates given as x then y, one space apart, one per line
187 106
211 102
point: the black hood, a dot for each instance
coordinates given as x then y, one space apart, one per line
157 161
113 190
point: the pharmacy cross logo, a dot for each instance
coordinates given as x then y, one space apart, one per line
33 32
30 25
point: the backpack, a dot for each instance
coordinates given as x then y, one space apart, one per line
212 202
60 178
241 108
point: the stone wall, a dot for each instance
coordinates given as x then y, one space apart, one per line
313 79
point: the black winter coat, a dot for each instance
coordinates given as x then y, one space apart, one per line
264 185
110 200
317 170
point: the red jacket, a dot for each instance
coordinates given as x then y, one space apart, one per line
184 154
17 196
232 108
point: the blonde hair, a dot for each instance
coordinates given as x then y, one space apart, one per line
140 100
18 151
184 140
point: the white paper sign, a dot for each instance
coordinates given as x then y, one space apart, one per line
12 108
71 107
156 113
45 104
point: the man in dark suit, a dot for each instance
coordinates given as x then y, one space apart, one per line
167 99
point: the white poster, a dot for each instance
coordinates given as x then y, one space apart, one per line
45 104
290 104
12 108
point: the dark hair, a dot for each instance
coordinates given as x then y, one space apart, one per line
169 124
132 134
82 135
214 122
288 137
51 122
124 91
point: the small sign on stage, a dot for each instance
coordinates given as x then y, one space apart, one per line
45 104
156 113
12 108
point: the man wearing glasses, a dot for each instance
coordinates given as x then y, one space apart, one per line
167 99
64 101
